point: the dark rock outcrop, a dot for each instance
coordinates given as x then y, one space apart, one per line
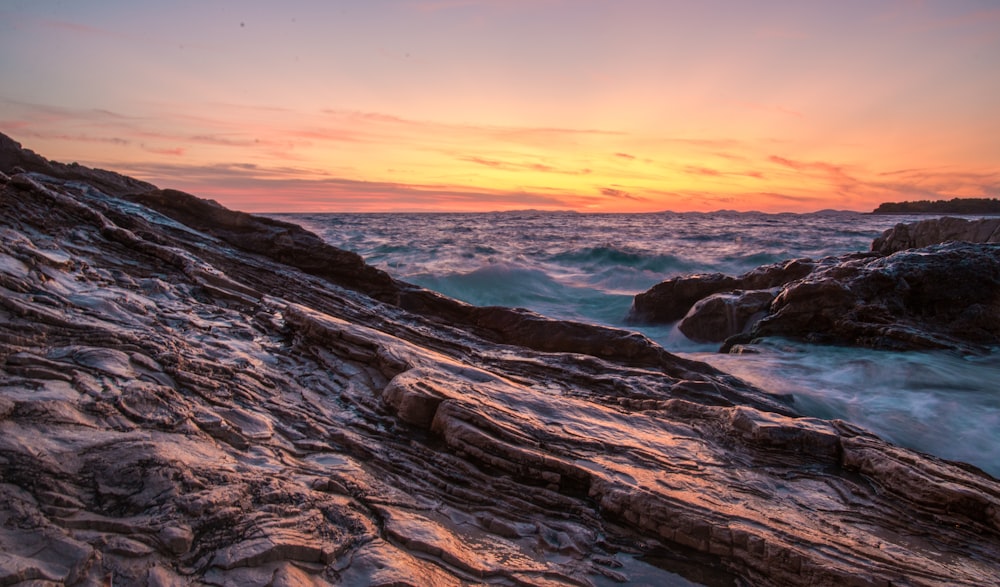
929 285
942 296
936 230
670 300
14 157
178 409
281 241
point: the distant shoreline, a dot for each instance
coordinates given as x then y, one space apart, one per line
989 206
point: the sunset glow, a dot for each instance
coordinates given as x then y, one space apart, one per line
588 105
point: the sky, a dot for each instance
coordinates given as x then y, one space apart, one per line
475 105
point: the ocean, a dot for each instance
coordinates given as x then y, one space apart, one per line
587 267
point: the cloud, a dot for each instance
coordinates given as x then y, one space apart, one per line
519 166
620 194
625 156
822 169
174 152
706 171
282 189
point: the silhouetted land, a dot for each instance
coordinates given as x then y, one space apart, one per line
953 206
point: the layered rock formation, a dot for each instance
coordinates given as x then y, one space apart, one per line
914 291
181 404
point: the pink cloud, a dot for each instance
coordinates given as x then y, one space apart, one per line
174 152
519 166
702 171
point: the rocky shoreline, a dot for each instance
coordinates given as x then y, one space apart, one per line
933 284
195 396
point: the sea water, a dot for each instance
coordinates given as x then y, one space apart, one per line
587 267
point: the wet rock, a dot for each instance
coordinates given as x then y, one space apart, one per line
937 230
908 300
672 299
719 316
282 241
164 421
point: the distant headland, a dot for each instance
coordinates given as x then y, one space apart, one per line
953 206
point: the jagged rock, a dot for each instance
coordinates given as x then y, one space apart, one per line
937 230
942 296
934 297
16 160
672 299
178 409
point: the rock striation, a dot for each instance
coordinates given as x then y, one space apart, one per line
184 404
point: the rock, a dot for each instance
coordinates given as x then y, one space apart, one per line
284 242
176 539
672 299
719 316
908 300
14 160
937 230
163 420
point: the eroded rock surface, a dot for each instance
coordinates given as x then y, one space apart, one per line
176 409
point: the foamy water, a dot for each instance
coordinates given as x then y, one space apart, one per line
588 266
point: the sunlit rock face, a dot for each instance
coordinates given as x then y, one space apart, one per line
178 409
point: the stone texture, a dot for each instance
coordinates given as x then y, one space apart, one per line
177 409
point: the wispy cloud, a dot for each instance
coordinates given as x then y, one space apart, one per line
619 194
174 152
282 189
523 166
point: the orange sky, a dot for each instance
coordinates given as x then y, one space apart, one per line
589 105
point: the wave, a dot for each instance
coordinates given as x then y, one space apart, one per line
518 286
601 258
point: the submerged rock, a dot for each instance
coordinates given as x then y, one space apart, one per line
180 405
